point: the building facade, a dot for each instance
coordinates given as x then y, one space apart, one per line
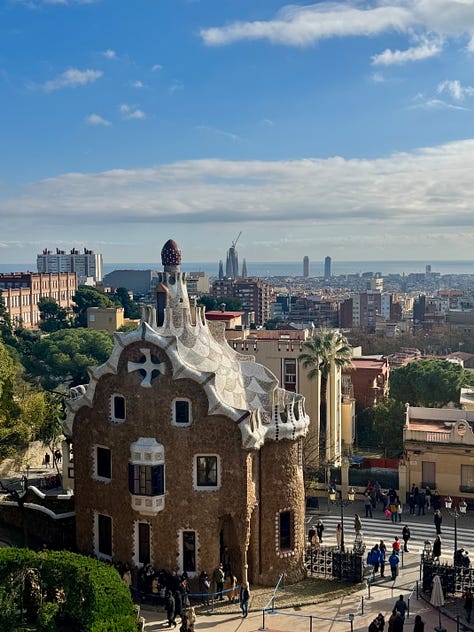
86 264
254 294
183 447
21 292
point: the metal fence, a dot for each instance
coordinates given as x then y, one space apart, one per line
454 579
328 562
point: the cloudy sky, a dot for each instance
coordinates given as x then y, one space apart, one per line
340 128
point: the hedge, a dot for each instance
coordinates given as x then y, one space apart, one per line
60 590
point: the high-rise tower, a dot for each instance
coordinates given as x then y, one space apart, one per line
327 267
306 266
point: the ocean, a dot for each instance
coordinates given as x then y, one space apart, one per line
290 268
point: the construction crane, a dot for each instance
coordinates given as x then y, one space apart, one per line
234 243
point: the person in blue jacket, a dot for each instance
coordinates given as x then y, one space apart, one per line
394 561
373 558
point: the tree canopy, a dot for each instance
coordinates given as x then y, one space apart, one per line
380 427
85 297
325 346
64 356
430 383
52 316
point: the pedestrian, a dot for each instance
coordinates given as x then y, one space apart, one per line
244 599
188 620
357 524
411 502
468 604
406 536
47 459
393 510
311 536
396 546
204 585
394 561
319 530
381 620
373 558
374 626
57 455
368 505
437 548
428 497
421 502
438 519
339 535
383 556
395 623
401 607
170 609
419 624
218 577
399 510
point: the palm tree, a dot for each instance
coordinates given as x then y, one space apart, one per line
325 355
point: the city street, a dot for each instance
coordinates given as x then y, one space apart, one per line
333 616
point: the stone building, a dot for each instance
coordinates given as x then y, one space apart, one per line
182 447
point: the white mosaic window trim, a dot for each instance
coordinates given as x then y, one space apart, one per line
286 553
112 409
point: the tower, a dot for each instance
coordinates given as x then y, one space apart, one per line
327 267
306 266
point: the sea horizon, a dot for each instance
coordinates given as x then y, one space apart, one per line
292 268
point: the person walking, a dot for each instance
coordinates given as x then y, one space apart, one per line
368 505
218 577
438 519
468 604
399 510
419 624
244 599
311 536
401 607
396 546
428 497
395 623
357 524
406 536
383 557
381 620
421 502
373 558
319 530
394 561
170 609
437 548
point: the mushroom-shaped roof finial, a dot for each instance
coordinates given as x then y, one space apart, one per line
171 254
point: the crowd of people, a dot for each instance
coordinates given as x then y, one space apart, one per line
396 622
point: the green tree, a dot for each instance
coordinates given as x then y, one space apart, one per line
88 297
64 356
430 383
380 427
209 302
132 309
52 316
326 346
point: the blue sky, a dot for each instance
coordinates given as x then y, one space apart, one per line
342 128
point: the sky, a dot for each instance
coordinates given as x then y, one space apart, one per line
332 128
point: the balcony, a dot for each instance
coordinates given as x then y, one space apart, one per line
148 504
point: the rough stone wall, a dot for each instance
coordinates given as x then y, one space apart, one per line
281 489
149 414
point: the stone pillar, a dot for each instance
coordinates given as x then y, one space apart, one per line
403 481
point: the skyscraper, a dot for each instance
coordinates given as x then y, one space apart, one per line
327 267
306 266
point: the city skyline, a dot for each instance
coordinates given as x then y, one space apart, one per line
337 128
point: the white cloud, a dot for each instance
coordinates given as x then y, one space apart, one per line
109 54
431 188
130 112
305 25
455 90
156 68
268 122
417 53
378 77
175 86
430 103
72 78
137 84
96 119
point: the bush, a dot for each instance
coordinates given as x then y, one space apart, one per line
87 595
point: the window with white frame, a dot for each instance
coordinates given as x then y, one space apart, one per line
285 525
207 472
146 469
289 374
467 478
181 412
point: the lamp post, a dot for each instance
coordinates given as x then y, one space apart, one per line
333 497
456 513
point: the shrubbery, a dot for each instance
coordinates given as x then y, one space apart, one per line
59 591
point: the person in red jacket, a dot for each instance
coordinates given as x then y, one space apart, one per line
396 545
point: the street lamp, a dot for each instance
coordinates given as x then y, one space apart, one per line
455 512
342 503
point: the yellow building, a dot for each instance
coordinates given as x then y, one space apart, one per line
439 451
105 318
